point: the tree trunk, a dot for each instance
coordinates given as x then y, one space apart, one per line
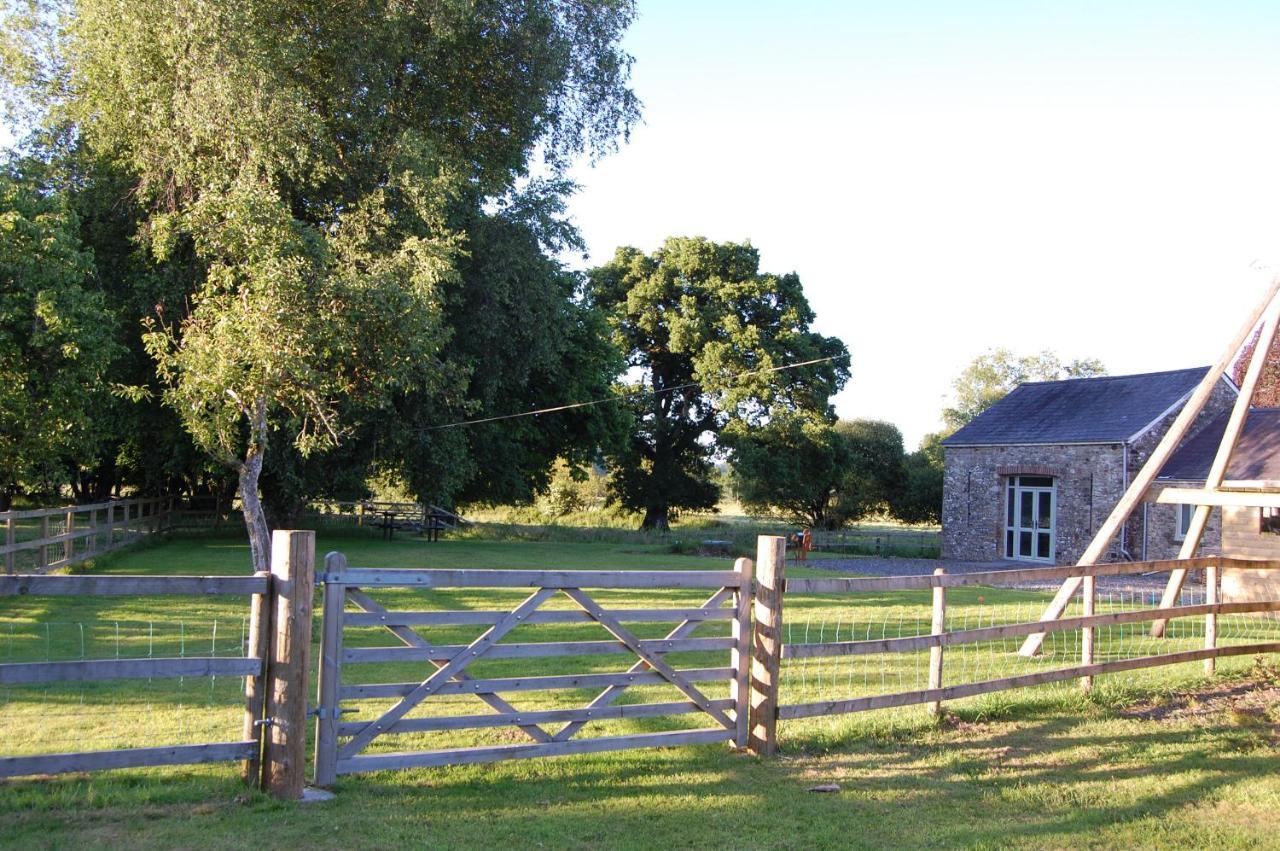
255 519
656 519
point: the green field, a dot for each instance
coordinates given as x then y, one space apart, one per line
1134 765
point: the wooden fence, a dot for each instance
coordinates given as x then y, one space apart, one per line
547 623
451 665
274 666
770 650
888 542
61 537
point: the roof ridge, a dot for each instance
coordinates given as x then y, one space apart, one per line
1200 369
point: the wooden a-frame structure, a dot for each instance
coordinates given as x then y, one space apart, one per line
1213 493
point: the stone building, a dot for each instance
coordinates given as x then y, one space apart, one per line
1034 476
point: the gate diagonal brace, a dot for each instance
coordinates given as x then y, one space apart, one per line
611 694
655 661
454 666
411 638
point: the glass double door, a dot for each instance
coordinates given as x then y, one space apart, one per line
1029 516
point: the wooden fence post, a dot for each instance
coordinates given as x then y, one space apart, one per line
1211 619
1090 591
255 687
766 652
740 688
292 587
335 599
44 548
939 627
10 540
69 545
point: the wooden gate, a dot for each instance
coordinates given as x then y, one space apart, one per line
452 670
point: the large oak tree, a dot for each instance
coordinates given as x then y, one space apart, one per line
704 331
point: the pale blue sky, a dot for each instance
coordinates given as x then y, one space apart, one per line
1097 178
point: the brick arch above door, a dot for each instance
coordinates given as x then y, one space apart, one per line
1027 470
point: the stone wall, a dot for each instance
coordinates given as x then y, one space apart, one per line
1162 525
1088 480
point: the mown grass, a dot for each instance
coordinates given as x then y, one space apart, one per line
1036 768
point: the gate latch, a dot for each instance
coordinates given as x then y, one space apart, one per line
324 713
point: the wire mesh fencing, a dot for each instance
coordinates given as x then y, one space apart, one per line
841 648
58 717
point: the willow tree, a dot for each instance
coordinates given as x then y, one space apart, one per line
712 340
305 161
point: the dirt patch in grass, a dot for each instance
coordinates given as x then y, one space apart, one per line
1252 699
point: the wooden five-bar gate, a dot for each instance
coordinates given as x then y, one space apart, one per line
448 669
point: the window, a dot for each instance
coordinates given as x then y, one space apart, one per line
1270 524
1185 513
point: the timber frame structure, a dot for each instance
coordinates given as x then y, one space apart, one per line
1216 490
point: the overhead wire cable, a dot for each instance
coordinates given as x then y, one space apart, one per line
625 396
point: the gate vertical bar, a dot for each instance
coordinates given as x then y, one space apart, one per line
939 626
284 755
255 686
740 688
10 539
68 528
335 598
766 652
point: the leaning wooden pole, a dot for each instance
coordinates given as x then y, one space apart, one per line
1181 424
1218 471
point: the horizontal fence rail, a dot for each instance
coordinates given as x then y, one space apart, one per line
1008 577
395 577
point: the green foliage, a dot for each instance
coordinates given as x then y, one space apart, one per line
991 376
524 340
817 474
693 317
919 499
56 337
794 469
316 180
874 474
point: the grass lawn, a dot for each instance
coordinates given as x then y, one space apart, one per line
1134 765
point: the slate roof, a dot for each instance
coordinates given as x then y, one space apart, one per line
1257 455
1109 409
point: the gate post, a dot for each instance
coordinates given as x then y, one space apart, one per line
740 688
766 653
284 755
255 686
335 598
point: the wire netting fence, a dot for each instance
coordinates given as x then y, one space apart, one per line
853 617
62 717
